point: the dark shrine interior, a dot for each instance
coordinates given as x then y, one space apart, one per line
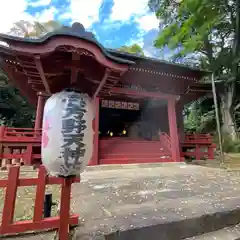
113 122
142 123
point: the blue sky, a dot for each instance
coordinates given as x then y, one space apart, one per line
114 22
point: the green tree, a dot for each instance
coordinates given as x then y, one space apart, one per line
208 30
14 108
134 49
199 116
35 29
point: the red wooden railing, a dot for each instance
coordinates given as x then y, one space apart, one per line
19 134
17 156
17 144
61 222
200 146
16 147
198 138
165 140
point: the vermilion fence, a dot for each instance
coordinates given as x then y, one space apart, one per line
200 146
17 146
61 222
20 146
21 135
17 155
198 138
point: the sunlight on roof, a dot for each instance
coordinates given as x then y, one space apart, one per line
4 44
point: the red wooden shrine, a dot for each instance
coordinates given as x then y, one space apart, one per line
143 97
72 58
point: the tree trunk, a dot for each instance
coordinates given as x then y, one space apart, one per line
228 126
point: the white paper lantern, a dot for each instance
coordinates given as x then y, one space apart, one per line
67 139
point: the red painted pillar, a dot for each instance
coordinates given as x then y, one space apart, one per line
173 130
95 157
39 112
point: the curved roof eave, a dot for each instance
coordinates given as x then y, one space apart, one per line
77 31
135 57
65 32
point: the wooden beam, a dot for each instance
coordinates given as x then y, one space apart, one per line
156 95
199 90
38 82
74 70
103 81
74 73
46 95
42 75
39 112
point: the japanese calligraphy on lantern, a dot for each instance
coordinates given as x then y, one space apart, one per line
73 127
120 105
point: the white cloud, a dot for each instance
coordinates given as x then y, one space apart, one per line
108 24
138 40
11 12
148 22
40 3
147 53
83 11
46 15
125 9
137 10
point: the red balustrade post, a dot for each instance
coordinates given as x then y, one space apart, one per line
173 130
8 160
28 160
16 161
198 152
211 152
39 112
10 199
2 130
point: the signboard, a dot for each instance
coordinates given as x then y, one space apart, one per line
120 105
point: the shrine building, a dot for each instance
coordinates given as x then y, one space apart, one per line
139 100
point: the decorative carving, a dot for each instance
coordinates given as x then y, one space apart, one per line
136 87
71 49
120 105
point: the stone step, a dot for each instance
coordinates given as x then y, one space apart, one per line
134 166
228 233
134 155
133 160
